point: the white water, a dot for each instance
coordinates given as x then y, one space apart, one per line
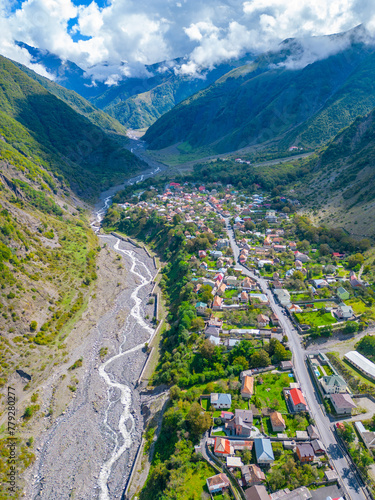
125 392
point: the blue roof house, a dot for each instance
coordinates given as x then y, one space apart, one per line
263 451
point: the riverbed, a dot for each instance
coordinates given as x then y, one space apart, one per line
87 450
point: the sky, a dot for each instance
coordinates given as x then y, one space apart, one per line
113 39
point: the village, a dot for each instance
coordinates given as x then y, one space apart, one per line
261 424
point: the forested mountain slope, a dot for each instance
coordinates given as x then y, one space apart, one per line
266 102
34 123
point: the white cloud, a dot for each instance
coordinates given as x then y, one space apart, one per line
123 37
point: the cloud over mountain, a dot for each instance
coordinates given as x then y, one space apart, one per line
118 38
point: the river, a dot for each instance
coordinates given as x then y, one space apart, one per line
87 451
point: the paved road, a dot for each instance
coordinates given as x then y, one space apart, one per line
351 482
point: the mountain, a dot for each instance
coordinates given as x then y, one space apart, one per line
77 102
339 189
36 124
65 72
275 102
138 103
134 102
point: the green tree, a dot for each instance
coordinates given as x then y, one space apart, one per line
198 420
260 359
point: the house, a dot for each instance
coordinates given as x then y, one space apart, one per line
263 320
275 319
216 322
342 403
226 415
333 384
217 303
294 308
208 282
221 289
248 284
215 254
301 257
283 296
212 331
286 365
234 462
263 451
277 422
354 281
252 474
221 243
305 452
218 483
222 447
368 437
298 265
244 297
344 312
257 492
231 281
247 389
203 265
241 424
297 400
320 283
301 493
342 293
318 447
220 400
312 432
201 308
202 254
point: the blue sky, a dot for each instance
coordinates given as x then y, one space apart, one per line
114 39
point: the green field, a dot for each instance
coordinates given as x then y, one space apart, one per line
228 294
315 318
271 391
358 306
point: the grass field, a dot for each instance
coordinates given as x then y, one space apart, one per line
358 306
228 294
272 390
193 482
315 318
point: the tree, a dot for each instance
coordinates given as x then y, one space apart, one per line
241 361
354 260
324 249
197 324
249 225
33 326
260 359
175 392
351 327
207 349
198 420
298 275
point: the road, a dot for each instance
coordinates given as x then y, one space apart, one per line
350 480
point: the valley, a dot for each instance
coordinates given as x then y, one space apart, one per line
187 273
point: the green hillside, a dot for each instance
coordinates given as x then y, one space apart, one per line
138 103
339 189
36 124
266 103
78 103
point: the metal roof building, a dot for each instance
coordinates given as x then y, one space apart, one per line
361 363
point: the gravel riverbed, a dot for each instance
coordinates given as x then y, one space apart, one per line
87 451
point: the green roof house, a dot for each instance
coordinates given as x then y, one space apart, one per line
342 293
